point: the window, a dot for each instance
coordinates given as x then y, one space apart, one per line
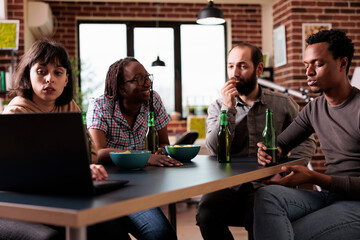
100 45
202 64
194 56
150 43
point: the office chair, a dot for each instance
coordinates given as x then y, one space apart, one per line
187 138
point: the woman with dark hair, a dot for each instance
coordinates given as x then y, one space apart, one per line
43 82
42 54
118 119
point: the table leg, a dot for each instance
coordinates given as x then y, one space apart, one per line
172 214
76 233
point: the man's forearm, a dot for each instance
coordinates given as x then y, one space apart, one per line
321 179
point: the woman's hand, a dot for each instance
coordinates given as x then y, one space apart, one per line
98 172
162 161
160 151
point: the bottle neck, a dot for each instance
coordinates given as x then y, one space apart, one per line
223 119
269 120
151 121
84 118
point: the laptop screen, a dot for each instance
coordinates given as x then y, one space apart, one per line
45 153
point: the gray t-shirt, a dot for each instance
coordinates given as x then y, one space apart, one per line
338 130
247 123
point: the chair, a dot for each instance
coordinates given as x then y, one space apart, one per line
188 138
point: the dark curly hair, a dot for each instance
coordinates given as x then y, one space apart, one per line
115 77
43 51
339 44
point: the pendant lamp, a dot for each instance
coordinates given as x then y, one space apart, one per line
157 62
210 15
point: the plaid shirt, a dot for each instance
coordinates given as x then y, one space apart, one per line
105 115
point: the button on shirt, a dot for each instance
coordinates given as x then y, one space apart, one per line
105 115
247 123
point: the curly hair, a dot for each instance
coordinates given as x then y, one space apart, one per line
43 51
339 44
115 77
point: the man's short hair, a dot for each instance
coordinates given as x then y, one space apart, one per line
339 44
256 54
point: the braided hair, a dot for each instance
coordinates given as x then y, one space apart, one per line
115 77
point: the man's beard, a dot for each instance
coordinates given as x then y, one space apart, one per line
246 86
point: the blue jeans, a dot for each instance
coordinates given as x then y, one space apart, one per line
149 224
288 213
145 225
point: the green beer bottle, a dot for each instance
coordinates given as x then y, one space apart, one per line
223 144
269 137
152 137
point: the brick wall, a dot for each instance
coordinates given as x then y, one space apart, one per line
344 15
15 12
176 127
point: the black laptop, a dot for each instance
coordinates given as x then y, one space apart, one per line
47 153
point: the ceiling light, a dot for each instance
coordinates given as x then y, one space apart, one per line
210 15
158 63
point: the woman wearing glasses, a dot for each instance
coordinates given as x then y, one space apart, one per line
118 120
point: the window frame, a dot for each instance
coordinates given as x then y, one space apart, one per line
130 25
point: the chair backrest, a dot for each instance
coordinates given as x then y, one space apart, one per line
187 138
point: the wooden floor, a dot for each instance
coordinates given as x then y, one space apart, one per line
186 227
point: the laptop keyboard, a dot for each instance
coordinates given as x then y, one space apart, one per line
108 183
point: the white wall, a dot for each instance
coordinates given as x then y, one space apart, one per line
3 9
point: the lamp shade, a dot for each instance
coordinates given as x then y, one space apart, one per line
210 15
158 63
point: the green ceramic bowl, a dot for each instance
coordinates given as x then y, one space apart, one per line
183 152
130 159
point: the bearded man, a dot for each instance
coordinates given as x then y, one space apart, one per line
245 103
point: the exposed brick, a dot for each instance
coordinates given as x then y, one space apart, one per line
315 10
347 11
105 9
348 24
331 10
325 4
299 10
355 4
341 4
341 18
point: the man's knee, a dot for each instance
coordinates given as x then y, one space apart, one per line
268 192
204 213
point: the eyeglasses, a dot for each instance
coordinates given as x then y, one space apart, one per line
141 80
